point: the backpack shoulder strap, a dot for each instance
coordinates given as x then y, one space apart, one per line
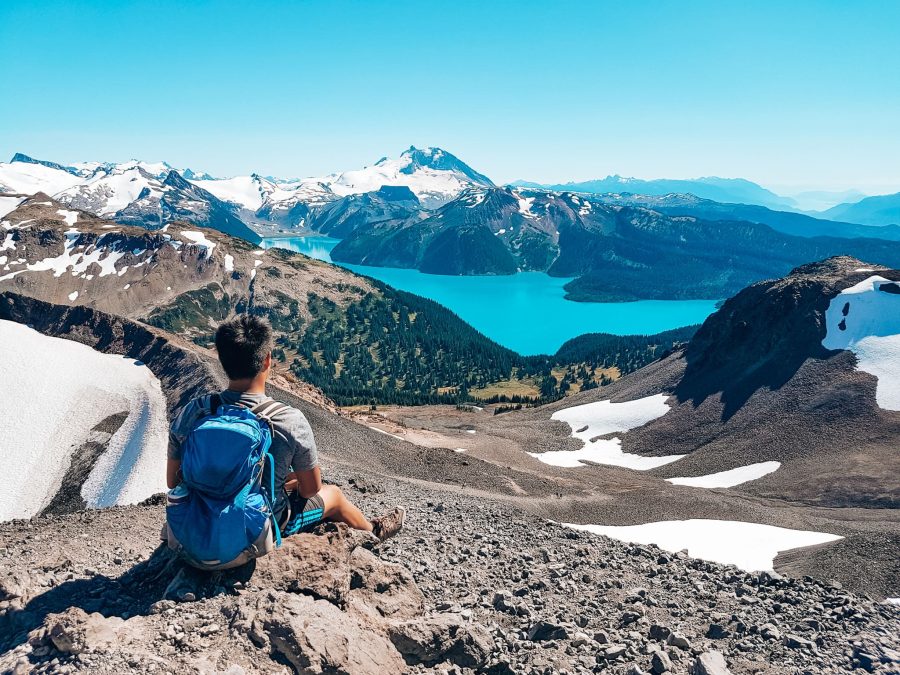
267 410
213 401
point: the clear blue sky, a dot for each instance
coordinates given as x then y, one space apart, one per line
784 93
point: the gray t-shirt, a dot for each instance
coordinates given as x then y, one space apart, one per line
293 446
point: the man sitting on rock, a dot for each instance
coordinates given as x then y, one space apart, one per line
244 347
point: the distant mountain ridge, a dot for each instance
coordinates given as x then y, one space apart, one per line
879 210
433 176
617 248
729 190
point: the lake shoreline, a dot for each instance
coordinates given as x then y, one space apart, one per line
527 312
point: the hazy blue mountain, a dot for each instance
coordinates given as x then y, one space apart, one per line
789 222
729 190
878 210
820 200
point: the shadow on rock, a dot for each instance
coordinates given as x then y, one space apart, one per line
323 602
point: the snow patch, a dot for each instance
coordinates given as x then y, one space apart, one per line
601 418
73 295
730 478
201 240
71 217
525 204
229 262
865 319
63 389
750 546
9 204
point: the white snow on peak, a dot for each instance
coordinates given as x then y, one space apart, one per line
27 178
63 389
200 239
730 478
866 320
750 546
432 186
246 191
107 192
601 418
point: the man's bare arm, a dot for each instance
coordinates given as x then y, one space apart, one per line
173 472
307 483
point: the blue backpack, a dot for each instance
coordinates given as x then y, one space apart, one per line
221 516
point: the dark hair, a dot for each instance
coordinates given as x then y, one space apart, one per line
243 344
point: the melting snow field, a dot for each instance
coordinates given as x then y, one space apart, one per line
601 418
62 389
730 478
750 546
866 320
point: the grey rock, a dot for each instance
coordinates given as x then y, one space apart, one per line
658 632
442 637
660 662
678 640
710 663
544 630
317 637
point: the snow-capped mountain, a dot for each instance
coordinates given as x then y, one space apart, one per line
266 201
149 194
433 175
145 192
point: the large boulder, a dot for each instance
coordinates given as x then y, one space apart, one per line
314 564
443 637
74 631
383 590
317 637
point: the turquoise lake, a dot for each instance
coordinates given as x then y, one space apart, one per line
526 312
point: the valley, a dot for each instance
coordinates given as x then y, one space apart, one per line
509 308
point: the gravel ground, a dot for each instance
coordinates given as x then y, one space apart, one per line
554 600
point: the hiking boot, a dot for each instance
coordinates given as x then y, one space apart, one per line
385 527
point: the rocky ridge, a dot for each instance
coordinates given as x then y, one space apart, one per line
488 589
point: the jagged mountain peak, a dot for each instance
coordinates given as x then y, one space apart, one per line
440 160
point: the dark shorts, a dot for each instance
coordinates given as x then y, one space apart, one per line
302 515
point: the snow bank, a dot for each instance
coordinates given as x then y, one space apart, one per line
750 546
246 191
8 204
71 217
63 389
26 178
601 418
730 478
866 320
200 239
229 262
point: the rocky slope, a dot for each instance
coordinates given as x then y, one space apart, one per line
488 589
